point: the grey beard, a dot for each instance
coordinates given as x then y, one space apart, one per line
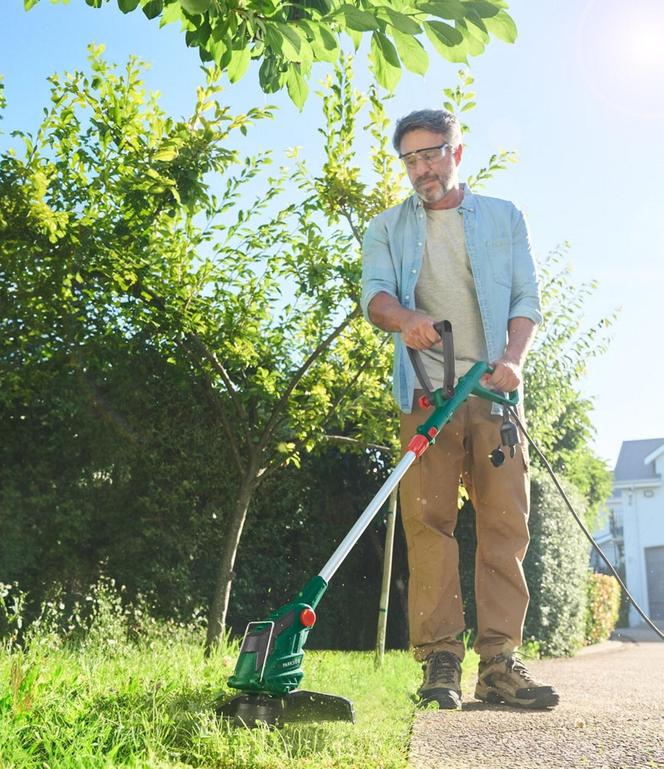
425 198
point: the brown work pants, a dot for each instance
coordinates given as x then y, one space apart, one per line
429 506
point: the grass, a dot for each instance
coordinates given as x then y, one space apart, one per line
149 706
100 701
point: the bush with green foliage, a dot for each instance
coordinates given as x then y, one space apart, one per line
603 607
556 565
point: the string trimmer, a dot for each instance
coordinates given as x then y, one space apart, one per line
268 671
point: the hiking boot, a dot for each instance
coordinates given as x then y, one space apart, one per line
504 678
442 681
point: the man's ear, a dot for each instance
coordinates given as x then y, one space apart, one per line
458 154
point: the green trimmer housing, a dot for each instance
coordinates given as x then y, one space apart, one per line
272 649
268 671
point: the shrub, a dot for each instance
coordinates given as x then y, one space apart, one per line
556 567
603 607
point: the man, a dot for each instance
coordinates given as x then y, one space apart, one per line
446 253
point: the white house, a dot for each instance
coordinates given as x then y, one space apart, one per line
633 533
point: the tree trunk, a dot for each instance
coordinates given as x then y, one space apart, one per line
224 580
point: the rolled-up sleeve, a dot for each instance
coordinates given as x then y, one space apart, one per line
378 272
525 298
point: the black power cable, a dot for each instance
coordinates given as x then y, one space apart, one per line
583 527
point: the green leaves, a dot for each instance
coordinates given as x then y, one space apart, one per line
444 9
401 22
357 19
238 64
412 52
442 35
322 41
483 8
297 86
196 6
287 38
502 26
384 61
152 8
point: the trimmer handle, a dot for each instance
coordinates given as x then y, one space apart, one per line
444 329
491 395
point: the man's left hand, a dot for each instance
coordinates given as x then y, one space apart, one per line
506 376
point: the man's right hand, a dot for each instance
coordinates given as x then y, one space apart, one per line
416 328
417 331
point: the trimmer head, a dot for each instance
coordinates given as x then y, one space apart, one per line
269 669
252 710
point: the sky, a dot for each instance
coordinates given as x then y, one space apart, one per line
580 96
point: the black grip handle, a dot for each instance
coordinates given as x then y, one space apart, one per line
444 329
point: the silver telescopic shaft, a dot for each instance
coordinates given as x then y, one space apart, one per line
339 555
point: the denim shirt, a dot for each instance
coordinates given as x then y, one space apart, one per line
500 257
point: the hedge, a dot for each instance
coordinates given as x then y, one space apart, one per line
603 607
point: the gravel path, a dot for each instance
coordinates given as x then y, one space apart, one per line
611 716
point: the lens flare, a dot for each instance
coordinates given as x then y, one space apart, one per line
620 52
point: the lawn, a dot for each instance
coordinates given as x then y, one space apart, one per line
149 706
127 691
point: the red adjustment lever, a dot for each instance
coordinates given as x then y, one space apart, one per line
423 402
419 444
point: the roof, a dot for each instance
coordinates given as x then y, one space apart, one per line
630 465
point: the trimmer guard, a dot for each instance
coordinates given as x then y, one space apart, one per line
252 710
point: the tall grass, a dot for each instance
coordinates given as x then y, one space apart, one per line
104 685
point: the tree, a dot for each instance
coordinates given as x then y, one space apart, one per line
109 227
559 417
287 38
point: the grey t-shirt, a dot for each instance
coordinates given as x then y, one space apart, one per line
445 290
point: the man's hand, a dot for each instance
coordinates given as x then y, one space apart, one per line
417 331
416 328
506 376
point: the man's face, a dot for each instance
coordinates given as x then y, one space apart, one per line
431 181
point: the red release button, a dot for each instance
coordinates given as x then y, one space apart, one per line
308 617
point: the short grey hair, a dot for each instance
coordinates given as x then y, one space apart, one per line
437 121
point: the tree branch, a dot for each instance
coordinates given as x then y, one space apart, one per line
270 468
205 352
356 233
213 399
299 374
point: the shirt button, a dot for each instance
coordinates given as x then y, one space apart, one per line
419 243
413 271
407 296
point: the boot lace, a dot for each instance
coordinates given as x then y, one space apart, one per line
442 668
514 664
